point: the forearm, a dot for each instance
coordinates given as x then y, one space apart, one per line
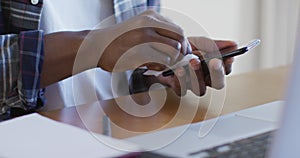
60 53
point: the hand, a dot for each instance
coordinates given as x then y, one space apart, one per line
200 75
146 40
125 46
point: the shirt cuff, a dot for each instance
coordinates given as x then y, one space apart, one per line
31 49
21 62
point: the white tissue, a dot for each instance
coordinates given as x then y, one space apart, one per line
184 61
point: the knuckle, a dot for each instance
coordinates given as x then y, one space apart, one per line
178 30
144 20
219 86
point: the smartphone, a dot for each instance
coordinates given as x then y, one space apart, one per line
225 54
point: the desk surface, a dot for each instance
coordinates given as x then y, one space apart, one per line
242 91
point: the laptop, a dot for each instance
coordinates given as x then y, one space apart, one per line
269 130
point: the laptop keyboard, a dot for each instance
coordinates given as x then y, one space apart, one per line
251 147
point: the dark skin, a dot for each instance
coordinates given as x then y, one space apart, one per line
61 49
177 82
50 73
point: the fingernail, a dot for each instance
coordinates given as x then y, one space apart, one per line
179 46
216 64
180 71
217 73
195 64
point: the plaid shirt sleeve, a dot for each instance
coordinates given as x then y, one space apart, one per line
20 66
21 57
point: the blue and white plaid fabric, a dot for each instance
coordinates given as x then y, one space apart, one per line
125 9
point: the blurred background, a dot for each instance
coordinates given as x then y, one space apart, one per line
272 21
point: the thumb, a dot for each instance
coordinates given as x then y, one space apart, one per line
217 73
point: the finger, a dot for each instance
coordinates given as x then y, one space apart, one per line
205 73
228 65
157 15
204 67
169 29
200 54
176 35
175 82
203 44
163 25
179 85
155 66
185 45
227 46
212 48
145 55
189 47
221 44
195 64
197 81
216 73
168 46
209 45
156 56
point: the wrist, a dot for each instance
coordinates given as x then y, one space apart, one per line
60 52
